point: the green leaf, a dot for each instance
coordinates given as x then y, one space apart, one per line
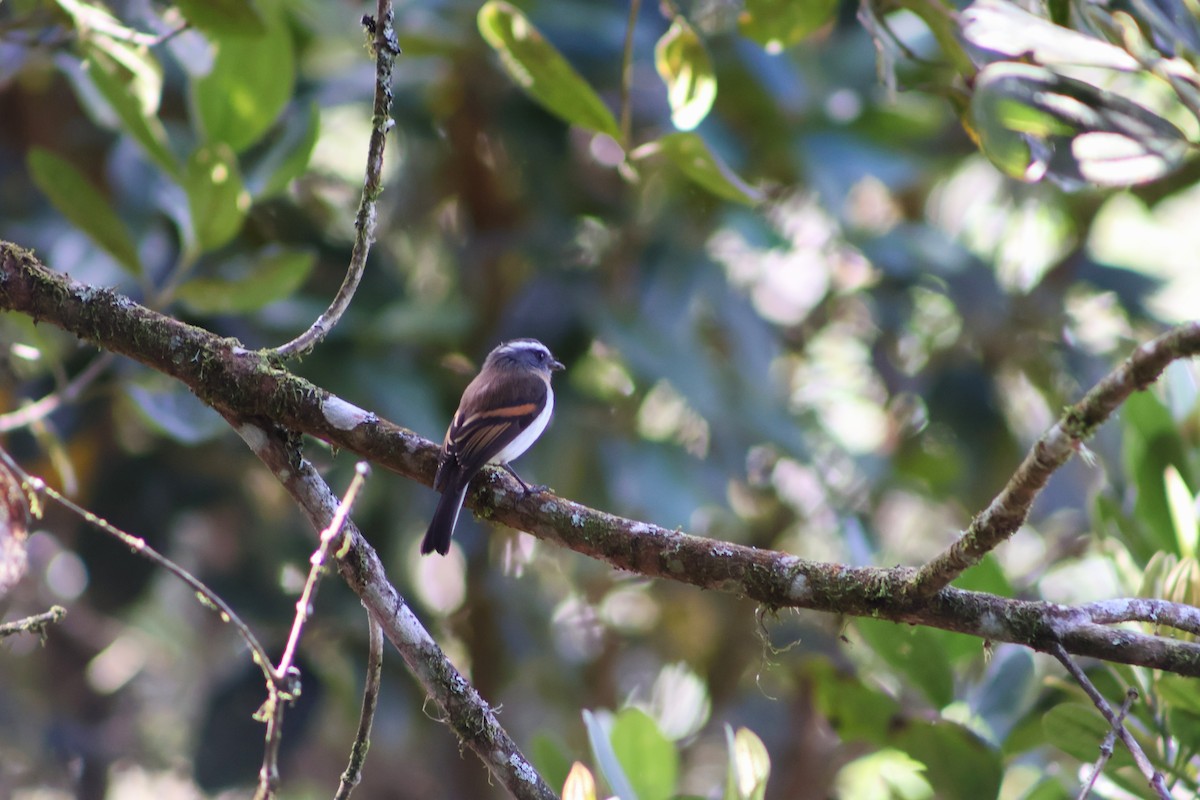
547 755
1127 158
986 576
749 765
80 202
886 773
1185 731
1049 789
1078 730
779 24
125 74
174 411
541 71
287 156
855 711
216 198
130 103
101 32
606 757
1155 573
651 762
1109 519
1002 117
1179 693
683 64
1151 444
1006 28
914 652
224 17
691 155
250 84
1113 682
1007 692
1032 122
1181 504
958 764
274 276
1182 583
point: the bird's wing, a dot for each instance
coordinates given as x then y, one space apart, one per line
492 415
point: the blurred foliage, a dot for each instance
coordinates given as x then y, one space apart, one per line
812 293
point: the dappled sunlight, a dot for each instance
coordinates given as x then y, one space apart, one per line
630 609
1160 243
783 282
1096 321
863 313
838 384
1013 227
665 415
577 629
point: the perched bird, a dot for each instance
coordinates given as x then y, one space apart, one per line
502 412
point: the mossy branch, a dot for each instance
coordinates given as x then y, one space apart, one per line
245 385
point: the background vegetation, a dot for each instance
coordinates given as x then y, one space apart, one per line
814 310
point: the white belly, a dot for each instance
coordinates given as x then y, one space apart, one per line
527 437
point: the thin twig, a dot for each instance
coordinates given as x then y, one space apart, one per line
40 409
282 683
167 36
1153 777
362 738
635 7
278 696
35 624
317 562
1106 746
471 718
386 49
138 545
268 775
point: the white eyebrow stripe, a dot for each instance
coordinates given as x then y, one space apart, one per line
526 344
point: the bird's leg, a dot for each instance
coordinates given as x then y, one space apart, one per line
528 489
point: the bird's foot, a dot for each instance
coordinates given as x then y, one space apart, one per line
536 488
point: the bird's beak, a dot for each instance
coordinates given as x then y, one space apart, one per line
556 366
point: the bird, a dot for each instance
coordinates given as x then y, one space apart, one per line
502 413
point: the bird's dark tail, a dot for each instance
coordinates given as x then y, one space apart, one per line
441 528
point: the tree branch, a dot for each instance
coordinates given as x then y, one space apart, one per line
1153 776
362 737
1008 511
472 719
386 49
1106 746
245 385
40 409
138 546
1141 609
35 624
281 693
